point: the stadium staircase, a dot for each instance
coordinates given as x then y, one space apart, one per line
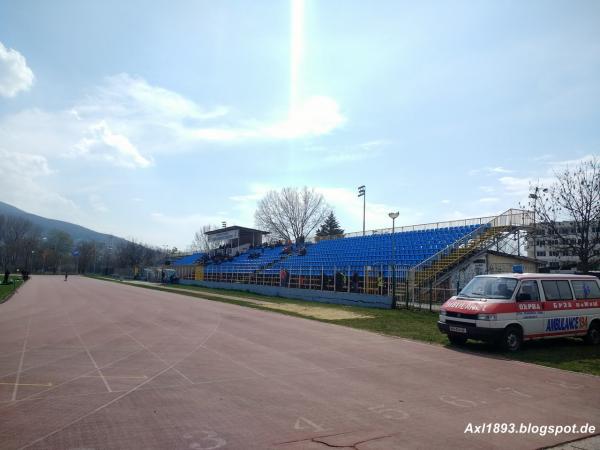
270 264
438 267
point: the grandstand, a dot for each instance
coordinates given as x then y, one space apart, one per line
416 257
189 260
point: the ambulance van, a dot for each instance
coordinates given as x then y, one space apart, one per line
511 308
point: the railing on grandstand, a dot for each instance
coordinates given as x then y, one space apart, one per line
369 279
376 279
420 227
509 218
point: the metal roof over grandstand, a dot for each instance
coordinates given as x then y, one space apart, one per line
235 227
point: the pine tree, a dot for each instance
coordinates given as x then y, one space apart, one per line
330 227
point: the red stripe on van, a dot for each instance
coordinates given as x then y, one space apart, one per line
471 307
555 333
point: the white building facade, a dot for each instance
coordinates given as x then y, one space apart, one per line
552 248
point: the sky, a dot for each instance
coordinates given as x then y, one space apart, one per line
148 120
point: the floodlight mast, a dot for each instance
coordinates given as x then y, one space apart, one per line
362 193
394 216
535 196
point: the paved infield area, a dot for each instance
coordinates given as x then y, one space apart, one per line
89 364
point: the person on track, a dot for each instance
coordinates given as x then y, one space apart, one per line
66 275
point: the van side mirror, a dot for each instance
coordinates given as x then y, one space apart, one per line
523 297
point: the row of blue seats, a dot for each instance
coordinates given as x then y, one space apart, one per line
412 247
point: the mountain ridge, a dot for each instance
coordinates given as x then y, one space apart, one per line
77 232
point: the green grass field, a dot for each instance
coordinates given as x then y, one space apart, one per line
7 289
565 353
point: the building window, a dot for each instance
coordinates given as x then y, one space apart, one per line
541 253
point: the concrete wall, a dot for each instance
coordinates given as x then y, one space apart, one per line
500 264
487 264
338 298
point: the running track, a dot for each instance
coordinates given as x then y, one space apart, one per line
89 364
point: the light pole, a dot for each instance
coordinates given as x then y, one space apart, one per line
394 216
534 196
362 193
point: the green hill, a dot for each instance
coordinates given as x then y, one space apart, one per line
77 232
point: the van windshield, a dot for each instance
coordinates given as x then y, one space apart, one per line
489 287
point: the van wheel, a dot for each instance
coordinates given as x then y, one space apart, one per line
512 339
593 335
457 339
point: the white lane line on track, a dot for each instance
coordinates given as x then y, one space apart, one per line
36 395
92 359
133 338
142 377
20 369
116 399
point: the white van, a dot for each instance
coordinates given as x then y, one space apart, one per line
510 308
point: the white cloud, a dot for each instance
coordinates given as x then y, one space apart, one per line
340 154
102 143
520 186
15 75
21 184
571 163
125 121
314 117
515 186
454 215
489 200
138 106
189 222
445 202
490 170
127 97
499 169
97 204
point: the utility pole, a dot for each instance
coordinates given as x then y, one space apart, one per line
394 216
362 193
535 196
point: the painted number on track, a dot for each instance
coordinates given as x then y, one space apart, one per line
565 385
389 413
305 424
208 441
456 401
509 390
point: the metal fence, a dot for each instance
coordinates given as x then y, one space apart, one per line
384 280
363 279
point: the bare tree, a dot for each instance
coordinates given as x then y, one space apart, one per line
19 238
570 212
86 256
201 242
131 253
291 213
59 246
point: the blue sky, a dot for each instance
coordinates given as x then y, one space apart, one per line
151 119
